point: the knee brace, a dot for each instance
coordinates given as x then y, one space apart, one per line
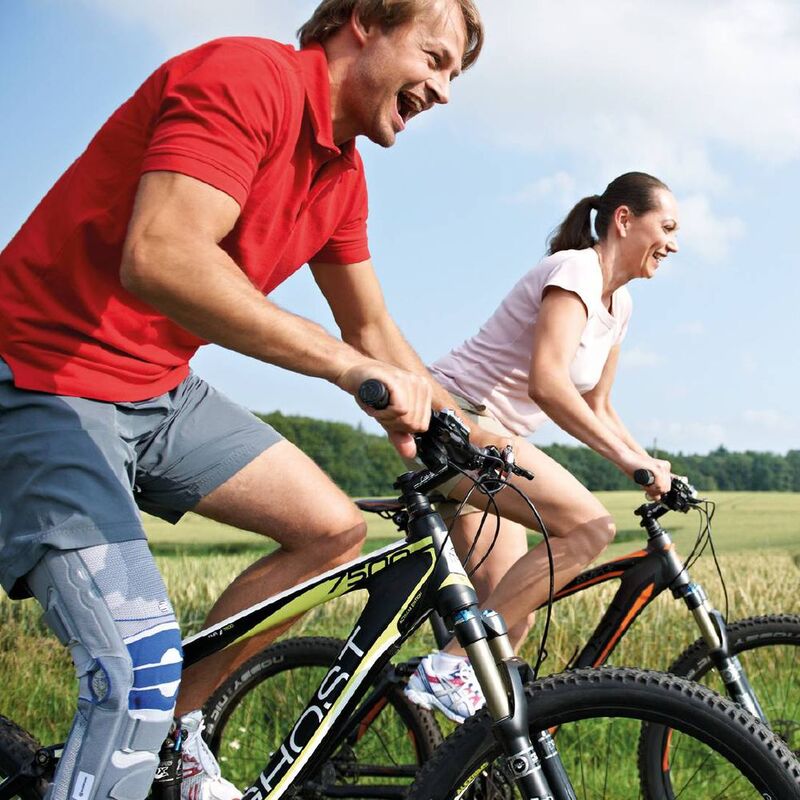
125 709
127 691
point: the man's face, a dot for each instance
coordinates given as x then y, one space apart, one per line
402 72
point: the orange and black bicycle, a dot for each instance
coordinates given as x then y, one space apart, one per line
754 661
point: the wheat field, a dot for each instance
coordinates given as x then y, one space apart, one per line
758 538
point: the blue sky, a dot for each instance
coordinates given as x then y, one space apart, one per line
566 96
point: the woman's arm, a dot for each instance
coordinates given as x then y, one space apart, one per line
599 401
562 318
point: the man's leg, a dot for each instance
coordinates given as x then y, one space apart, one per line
108 604
284 495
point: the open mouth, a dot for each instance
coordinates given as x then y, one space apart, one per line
408 106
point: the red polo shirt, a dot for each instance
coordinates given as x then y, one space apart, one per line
248 116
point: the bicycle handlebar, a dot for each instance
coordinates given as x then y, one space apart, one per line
644 477
446 442
374 394
681 496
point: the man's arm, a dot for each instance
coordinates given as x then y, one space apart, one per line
357 304
356 301
172 261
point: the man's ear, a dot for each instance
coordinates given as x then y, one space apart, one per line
359 28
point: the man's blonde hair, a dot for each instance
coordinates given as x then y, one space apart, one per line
331 15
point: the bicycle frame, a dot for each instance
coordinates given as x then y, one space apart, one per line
404 581
645 574
396 581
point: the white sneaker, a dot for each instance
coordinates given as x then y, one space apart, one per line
202 777
447 683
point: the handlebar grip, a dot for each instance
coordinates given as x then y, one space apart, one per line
644 477
374 394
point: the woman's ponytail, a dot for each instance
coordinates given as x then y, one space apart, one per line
575 232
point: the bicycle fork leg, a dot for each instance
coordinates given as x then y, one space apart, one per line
543 744
501 676
715 634
731 670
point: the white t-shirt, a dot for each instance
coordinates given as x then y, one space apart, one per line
492 367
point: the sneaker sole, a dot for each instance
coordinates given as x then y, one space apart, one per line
429 702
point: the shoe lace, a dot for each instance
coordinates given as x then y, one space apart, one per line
204 755
470 680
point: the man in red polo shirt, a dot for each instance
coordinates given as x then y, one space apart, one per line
229 168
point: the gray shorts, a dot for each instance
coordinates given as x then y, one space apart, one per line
73 471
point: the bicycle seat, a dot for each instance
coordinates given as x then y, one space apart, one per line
378 505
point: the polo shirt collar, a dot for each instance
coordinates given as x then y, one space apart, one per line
314 72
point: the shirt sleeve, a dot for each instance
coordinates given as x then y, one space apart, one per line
349 244
578 276
218 116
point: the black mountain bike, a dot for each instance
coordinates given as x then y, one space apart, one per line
755 661
404 583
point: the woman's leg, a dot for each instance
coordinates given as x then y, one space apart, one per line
496 550
579 526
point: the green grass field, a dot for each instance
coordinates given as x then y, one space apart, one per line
743 521
757 536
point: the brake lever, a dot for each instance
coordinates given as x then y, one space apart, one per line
511 465
681 497
507 462
522 472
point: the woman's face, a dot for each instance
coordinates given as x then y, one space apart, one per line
650 238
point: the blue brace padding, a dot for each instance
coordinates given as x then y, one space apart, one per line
157 661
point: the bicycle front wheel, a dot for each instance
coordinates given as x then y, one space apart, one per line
722 753
768 648
378 754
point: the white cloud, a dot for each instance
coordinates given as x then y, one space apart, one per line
560 186
727 71
639 358
771 421
706 233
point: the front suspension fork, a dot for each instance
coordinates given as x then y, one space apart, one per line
715 634
500 673
534 766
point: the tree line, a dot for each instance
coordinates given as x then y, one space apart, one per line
366 464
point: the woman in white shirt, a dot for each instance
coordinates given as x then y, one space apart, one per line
550 350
